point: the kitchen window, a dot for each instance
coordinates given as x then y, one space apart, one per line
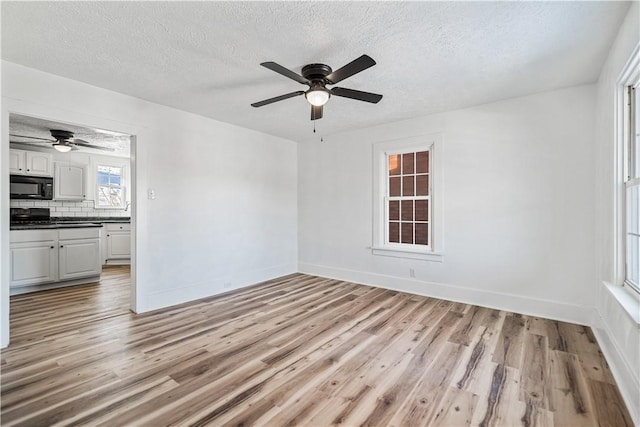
110 186
406 185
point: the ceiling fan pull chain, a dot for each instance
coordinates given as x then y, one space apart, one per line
314 126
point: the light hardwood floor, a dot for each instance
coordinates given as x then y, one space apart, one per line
299 350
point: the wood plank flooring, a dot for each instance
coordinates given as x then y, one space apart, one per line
299 350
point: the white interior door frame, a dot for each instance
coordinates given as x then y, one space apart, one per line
138 205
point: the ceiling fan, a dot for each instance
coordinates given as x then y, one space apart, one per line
64 141
317 77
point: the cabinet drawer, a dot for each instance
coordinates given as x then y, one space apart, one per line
79 233
118 226
20 236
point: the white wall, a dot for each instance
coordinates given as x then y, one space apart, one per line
618 332
518 206
225 212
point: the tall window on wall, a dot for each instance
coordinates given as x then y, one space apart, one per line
110 188
632 187
407 221
407 199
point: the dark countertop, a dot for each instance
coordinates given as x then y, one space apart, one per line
102 219
54 226
72 222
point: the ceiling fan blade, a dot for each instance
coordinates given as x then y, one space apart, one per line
316 112
353 67
277 98
78 140
32 137
86 144
374 98
285 72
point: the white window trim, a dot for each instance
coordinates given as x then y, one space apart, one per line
630 75
434 252
125 180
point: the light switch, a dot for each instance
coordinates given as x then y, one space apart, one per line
151 194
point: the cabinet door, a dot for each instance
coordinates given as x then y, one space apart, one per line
69 182
119 245
79 258
39 163
33 263
17 162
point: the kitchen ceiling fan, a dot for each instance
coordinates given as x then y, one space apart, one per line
63 141
317 77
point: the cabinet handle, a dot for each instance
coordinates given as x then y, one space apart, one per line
62 246
28 170
51 247
107 235
19 169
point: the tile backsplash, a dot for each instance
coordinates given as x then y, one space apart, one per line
64 208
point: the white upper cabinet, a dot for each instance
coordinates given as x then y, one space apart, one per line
40 164
30 163
17 161
70 182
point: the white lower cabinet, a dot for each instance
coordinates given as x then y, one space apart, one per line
34 262
79 258
49 256
118 242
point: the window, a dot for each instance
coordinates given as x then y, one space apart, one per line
404 191
110 188
632 187
407 198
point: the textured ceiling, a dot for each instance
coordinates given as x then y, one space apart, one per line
38 128
204 57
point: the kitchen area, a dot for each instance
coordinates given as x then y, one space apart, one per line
70 190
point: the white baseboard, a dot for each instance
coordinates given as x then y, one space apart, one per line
501 301
620 368
212 286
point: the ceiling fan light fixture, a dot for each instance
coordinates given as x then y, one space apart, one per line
317 96
63 148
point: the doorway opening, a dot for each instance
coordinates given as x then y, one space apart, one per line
79 236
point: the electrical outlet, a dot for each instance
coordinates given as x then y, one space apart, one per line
412 273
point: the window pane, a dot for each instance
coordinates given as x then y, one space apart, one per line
635 150
633 260
422 185
406 232
394 232
407 210
422 162
394 210
407 185
633 209
394 186
422 234
394 164
407 163
422 210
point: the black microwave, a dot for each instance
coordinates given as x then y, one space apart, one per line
31 187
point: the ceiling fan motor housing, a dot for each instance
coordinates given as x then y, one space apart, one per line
316 72
61 135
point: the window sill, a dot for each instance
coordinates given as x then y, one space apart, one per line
407 253
630 303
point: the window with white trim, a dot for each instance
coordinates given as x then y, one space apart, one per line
405 188
632 186
110 186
